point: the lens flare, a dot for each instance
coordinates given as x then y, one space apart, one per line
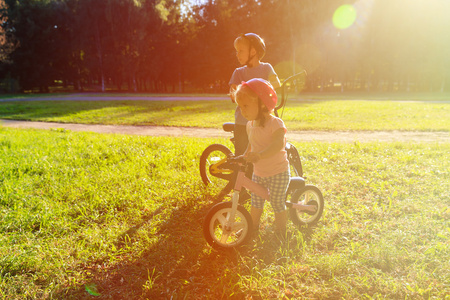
344 16
309 56
285 69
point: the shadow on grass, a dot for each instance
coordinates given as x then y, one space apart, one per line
43 110
180 265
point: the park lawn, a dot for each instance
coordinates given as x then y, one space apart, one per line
326 115
354 95
120 217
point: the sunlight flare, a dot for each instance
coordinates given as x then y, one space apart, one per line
344 16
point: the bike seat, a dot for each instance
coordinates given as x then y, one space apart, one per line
296 183
228 127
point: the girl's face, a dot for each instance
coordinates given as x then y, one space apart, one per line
249 106
242 51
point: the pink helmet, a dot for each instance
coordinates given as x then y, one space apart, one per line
264 90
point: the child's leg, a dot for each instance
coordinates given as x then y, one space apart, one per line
256 216
278 187
240 139
281 221
257 205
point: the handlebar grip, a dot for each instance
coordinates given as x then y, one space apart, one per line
238 159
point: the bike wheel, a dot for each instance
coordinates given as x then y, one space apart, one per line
211 155
309 195
222 233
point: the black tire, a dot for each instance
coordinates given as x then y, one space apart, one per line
212 154
309 195
214 228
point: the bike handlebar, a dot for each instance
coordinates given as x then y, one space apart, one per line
284 87
236 159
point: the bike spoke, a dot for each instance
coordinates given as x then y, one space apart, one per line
238 225
225 227
222 220
224 238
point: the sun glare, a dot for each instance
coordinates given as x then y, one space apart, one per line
344 16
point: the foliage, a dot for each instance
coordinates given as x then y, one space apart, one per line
78 41
158 45
120 217
39 32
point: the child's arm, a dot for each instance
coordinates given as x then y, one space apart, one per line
233 88
277 144
274 81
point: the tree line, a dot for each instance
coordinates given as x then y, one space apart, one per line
187 46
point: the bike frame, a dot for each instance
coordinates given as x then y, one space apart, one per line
261 191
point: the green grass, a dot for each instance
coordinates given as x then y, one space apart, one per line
120 216
353 95
402 96
299 115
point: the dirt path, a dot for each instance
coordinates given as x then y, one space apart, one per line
299 136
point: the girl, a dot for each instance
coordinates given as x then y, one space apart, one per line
266 150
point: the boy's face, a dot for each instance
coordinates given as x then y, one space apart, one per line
243 51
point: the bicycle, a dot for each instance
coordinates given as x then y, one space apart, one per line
214 155
229 224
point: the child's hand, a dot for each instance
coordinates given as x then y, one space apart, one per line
253 157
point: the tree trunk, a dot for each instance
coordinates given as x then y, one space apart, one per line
100 55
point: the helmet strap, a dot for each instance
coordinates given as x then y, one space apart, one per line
248 63
250 57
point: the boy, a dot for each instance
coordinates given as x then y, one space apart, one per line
250 49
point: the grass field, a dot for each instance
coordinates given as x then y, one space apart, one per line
395 96
298 115
119 217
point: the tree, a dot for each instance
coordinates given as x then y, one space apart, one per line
38 42
157 44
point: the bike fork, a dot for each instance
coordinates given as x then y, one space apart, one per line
242 181
234 205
